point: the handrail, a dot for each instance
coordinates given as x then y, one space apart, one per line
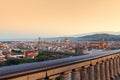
17 70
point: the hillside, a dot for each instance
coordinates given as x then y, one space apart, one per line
92 37
99 36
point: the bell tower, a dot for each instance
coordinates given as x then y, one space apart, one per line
103 43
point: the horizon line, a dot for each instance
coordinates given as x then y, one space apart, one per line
74 36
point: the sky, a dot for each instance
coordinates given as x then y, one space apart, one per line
47 18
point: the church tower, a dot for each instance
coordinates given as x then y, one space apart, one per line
103 44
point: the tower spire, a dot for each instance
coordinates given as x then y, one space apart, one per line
39 43
103 41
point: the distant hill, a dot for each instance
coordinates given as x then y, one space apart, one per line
88 37
92 37
95 37
59 38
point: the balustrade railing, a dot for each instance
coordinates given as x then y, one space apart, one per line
98 66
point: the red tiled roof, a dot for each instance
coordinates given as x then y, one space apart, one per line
2 58
30 53
95 45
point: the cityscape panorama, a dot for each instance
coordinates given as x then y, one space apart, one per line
59 40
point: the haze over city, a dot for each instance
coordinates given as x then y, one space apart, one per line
59 39
48 18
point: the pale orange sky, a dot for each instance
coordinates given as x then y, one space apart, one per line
58 17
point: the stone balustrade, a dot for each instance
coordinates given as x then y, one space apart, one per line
99 66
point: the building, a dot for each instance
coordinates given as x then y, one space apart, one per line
2 57
31 54
67 40
102 45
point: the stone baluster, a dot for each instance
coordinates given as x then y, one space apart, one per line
76 74
115 67
107 70
84 74
98 71
65 76
111 70
118 66
103 70
92 75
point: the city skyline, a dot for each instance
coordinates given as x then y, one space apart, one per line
49 18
